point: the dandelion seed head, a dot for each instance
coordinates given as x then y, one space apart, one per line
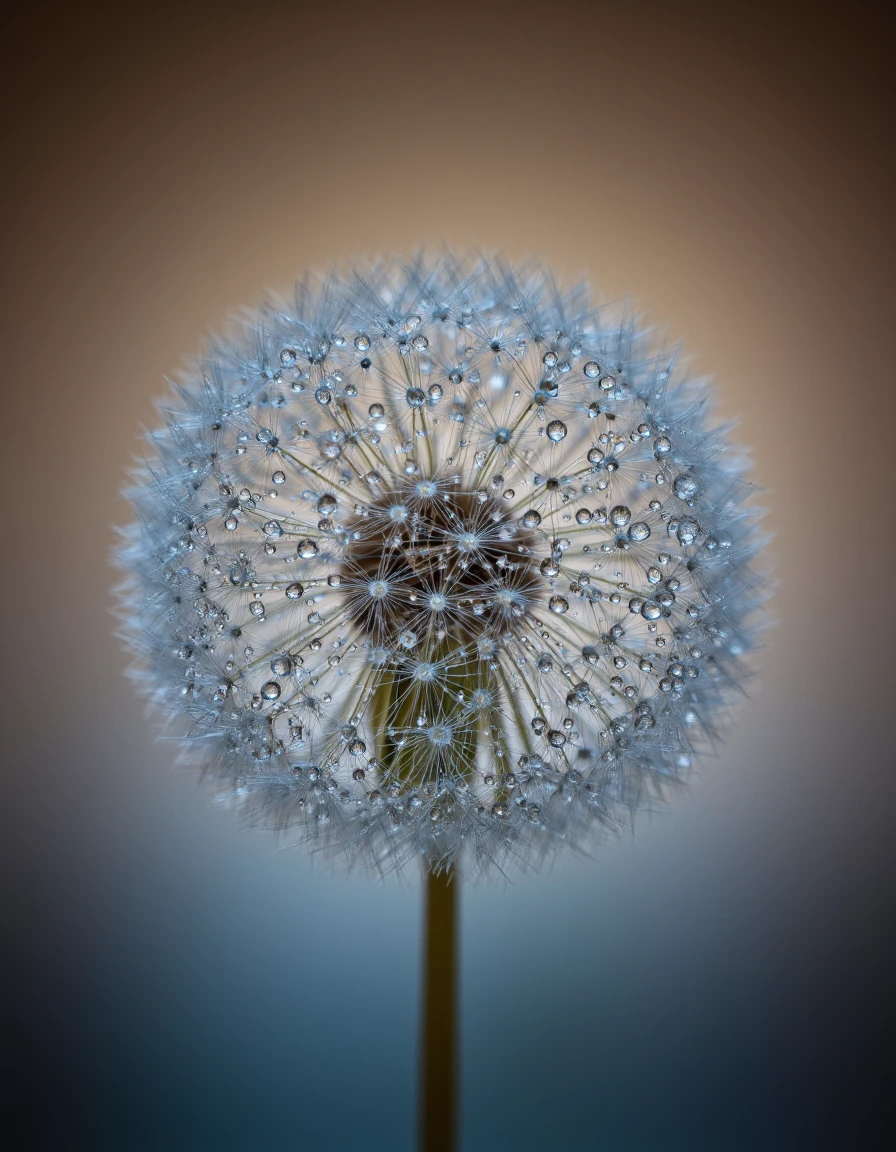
438 561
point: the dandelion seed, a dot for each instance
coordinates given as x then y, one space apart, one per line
542 578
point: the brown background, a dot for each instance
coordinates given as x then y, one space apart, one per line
718 983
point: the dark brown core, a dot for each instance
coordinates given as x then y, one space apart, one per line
408 551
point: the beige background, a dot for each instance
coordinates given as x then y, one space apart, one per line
717 983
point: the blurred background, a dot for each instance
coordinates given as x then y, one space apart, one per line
721 980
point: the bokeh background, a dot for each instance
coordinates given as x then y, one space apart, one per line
719 982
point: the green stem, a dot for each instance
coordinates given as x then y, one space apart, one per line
438 1048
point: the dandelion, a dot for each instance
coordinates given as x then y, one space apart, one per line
440 561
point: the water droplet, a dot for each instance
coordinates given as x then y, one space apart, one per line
620 515
531 518
307 549
294 591
279 477
231 523
592 369
273 529
435 392
362 342
544 664
326 505
323 396
281 665
502 436
415 397
556 431
662 446
271 690
357 747
288 357
419 343
595 455
650 610
638 531
265 436
583 516
549 568
558 604
686 486
556 739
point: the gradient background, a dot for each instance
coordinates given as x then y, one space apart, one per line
719 982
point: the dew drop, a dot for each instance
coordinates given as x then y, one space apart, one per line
686 486
531 519
326 505
583 516
558 604
281 665
307 549
620 515
556 431
271 690
362 342
279 477
638 531
592 369
295 591
415 397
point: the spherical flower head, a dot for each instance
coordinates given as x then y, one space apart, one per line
438 561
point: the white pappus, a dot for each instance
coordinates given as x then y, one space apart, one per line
440 561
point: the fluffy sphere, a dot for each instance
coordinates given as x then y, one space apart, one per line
440 560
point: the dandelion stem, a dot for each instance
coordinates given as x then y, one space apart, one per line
438 1047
